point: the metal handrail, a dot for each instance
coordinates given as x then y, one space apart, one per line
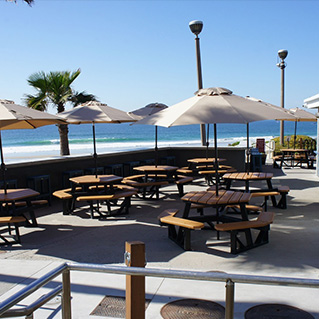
229 279
30 309
28 290
196 275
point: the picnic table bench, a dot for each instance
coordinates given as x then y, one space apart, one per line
261 224
8 221
145 187
182 235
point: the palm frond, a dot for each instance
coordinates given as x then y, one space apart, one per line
37 102
81 97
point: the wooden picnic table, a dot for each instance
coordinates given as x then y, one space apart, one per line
168 171
86 182
247 178
218 202
8 203
291 157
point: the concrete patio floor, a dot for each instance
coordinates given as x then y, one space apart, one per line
293 251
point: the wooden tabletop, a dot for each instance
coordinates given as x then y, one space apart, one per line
92 179
205 160
156 169
17 194
248 176
294 150
210 198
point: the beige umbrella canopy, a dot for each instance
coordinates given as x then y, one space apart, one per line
14 117
95 112
301 116
215 105
146 111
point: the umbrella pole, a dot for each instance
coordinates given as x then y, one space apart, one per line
156 149
216 158
295 135
94 150
207 141
247 151
3 167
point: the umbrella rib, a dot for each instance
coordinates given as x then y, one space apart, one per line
30 124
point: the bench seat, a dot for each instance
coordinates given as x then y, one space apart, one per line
109 199
185 170
8 221
261 224
209 174
281 190
182 235
151 187
181 181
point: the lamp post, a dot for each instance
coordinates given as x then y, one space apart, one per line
282 55
196 27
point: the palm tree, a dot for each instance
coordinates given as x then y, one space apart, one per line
81 97
55 88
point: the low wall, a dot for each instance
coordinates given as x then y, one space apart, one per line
55 167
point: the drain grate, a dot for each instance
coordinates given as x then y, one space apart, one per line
276 311
113 306
193 308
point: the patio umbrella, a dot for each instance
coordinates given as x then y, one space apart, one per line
215 105
146 111
301 116
95 112
14 117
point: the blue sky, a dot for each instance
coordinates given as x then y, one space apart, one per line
132 53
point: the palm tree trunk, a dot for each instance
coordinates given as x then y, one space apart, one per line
64 141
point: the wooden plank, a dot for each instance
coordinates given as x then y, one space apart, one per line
224 199
135 285
235 199
11 219
182 222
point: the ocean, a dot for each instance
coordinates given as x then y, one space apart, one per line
43 142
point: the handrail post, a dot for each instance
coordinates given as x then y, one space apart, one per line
135 285
230 295
66 294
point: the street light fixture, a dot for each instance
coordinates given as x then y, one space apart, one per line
282 55
196 27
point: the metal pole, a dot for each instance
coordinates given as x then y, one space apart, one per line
207 141
247 150
282 133
66 295
230 296
94 150
216 158
156 148
200 85
3 167
282 55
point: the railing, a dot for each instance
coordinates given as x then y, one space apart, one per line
229 279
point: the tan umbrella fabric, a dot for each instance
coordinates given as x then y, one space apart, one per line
302 115
216 105
95 112
14 117
146 111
